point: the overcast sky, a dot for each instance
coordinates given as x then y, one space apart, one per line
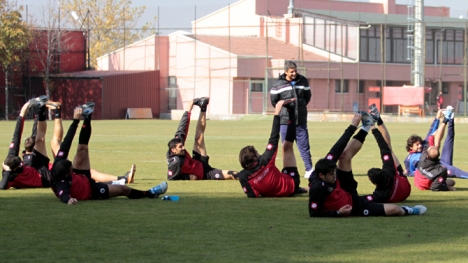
177 14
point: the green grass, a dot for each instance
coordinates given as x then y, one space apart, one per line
214 221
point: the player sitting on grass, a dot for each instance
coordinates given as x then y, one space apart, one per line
29 179
333 190
260 176
181 166
415 145
391 185
37 175
432 171
72 181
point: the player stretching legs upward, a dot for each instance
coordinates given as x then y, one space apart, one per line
72 181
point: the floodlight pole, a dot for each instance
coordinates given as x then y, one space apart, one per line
464 69
88 30
88 46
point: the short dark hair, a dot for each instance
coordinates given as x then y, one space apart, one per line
324 166
29 143
61 169
13 162
173 143
378 177
289 64
248 156
411 140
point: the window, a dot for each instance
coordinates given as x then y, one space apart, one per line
395 45
172 90
256 87
445 88
172 81
361 87
449 46
331 35
338 86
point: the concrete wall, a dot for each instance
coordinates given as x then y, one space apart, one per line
237 19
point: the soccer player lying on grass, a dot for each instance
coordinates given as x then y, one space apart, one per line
333 190
415 145
37 175
181 166
432 171
260 176
72 181
391 185
36 157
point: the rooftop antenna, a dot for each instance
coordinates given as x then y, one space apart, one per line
291 7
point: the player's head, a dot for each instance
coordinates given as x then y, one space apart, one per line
433 153
176 146
248 157
378 177
62 169
326 170
290 69
13 162
414 143
29 144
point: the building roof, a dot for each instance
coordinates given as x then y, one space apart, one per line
94 74
393 19
253 46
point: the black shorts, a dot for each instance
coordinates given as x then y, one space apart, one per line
41 164
292 171
209 173
362 206
98 190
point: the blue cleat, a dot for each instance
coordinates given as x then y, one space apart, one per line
415 210
38 102
366 119
88 108
374 112
159 189
448 113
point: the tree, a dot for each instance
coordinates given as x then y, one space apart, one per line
14 41
49 41
111 24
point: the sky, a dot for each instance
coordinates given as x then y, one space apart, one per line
178 14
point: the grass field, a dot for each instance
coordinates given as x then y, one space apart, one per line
214 221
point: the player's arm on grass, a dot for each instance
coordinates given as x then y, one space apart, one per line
5 179
317 197
439 182
173 166
247 188
62 190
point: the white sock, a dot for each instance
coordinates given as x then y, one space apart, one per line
119 182
366 128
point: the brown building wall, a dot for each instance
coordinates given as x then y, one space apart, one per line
74 92
139 90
